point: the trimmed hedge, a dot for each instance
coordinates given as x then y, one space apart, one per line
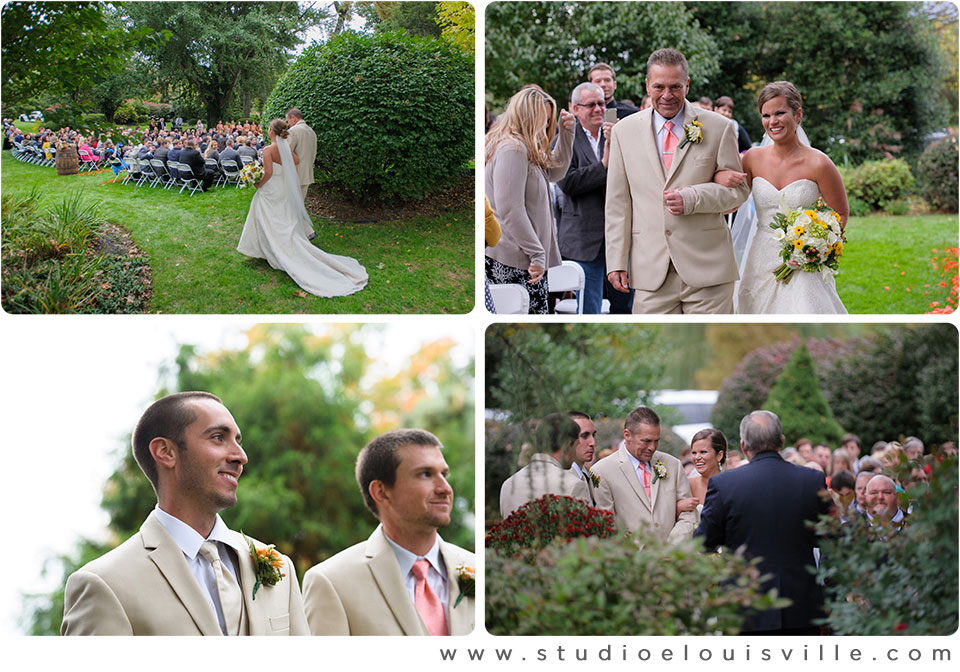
878 183
937 174
393 113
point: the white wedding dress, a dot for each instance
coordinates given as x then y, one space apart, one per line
759 290
277 227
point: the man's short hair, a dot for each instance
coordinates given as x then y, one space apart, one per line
602 66
641 415
555 432
668 57
579 414
723 101
706 101
870 464
167 417
761 432
850 437
191 143
842 479
378 460
295 113
580 88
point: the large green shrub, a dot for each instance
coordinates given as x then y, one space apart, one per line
126 114
803 410
937 174
393 113
611 587
880 582
877 183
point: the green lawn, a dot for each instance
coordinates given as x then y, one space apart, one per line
886 265
420 265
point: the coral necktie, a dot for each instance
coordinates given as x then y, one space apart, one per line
645 475
227 588
427 602
670 143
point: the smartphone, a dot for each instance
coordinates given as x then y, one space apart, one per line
610 114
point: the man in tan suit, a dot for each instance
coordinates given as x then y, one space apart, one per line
641 485
185 572
663 211
584 450
548 472
303 142
404 579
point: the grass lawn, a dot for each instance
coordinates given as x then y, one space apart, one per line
886 265
420 265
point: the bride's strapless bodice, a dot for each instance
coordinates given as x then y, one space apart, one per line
759 292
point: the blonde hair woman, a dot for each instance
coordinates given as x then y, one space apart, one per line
520 166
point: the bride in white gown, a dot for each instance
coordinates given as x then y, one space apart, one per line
277 227
794 173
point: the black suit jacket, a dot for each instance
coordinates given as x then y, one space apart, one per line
766 506
580 231
194 159
161 154
623 110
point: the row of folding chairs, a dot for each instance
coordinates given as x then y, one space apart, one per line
154 173
34 155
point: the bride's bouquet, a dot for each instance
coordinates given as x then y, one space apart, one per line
250 174
811 240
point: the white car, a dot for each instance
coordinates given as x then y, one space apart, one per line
692 406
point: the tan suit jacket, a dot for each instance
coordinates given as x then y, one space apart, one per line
543 476
303 142
145 587
589 482
359 591
620 491
641 235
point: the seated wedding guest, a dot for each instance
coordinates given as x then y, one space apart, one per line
641 484
212 152
883 503
519 156
548 472
247 149
913 448
404 579
162 151
860 491
603 75
724 106
230 153
584 449
174 155
192 157
768 509
185 572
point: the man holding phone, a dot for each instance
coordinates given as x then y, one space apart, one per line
580 232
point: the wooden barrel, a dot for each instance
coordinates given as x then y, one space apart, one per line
67 163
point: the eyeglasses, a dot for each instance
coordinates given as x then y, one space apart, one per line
598 103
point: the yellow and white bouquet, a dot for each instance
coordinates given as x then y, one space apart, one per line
811 240
250 174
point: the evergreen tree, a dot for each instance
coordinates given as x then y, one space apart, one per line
803 410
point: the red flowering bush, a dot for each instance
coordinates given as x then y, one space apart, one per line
948 265
537 523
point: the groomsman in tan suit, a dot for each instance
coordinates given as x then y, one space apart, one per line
184 572
404 579
641 484
548 472
584 450
665 235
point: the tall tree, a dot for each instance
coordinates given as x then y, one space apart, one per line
457 21
553 44
64 48
219 50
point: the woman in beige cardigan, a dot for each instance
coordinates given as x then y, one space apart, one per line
520 166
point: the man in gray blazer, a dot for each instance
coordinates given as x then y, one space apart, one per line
580 230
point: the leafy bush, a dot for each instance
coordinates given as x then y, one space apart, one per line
126 114
880 582
142 110
937 174
157 109
59 116
537 523
878 182
797 400
857 207
393 113
610 587
897 207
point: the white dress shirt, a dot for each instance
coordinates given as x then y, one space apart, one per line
639 466
189 541
579 471
658 122
436 576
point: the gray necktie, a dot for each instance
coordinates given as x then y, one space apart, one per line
228 589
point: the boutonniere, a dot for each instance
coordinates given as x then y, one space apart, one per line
594 479
267 564
466 582
692 132
659 472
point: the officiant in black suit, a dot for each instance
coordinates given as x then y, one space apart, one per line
767 506
584 187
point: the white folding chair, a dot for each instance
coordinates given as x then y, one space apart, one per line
510 299
568 277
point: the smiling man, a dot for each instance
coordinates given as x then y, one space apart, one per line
185 572
404 579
